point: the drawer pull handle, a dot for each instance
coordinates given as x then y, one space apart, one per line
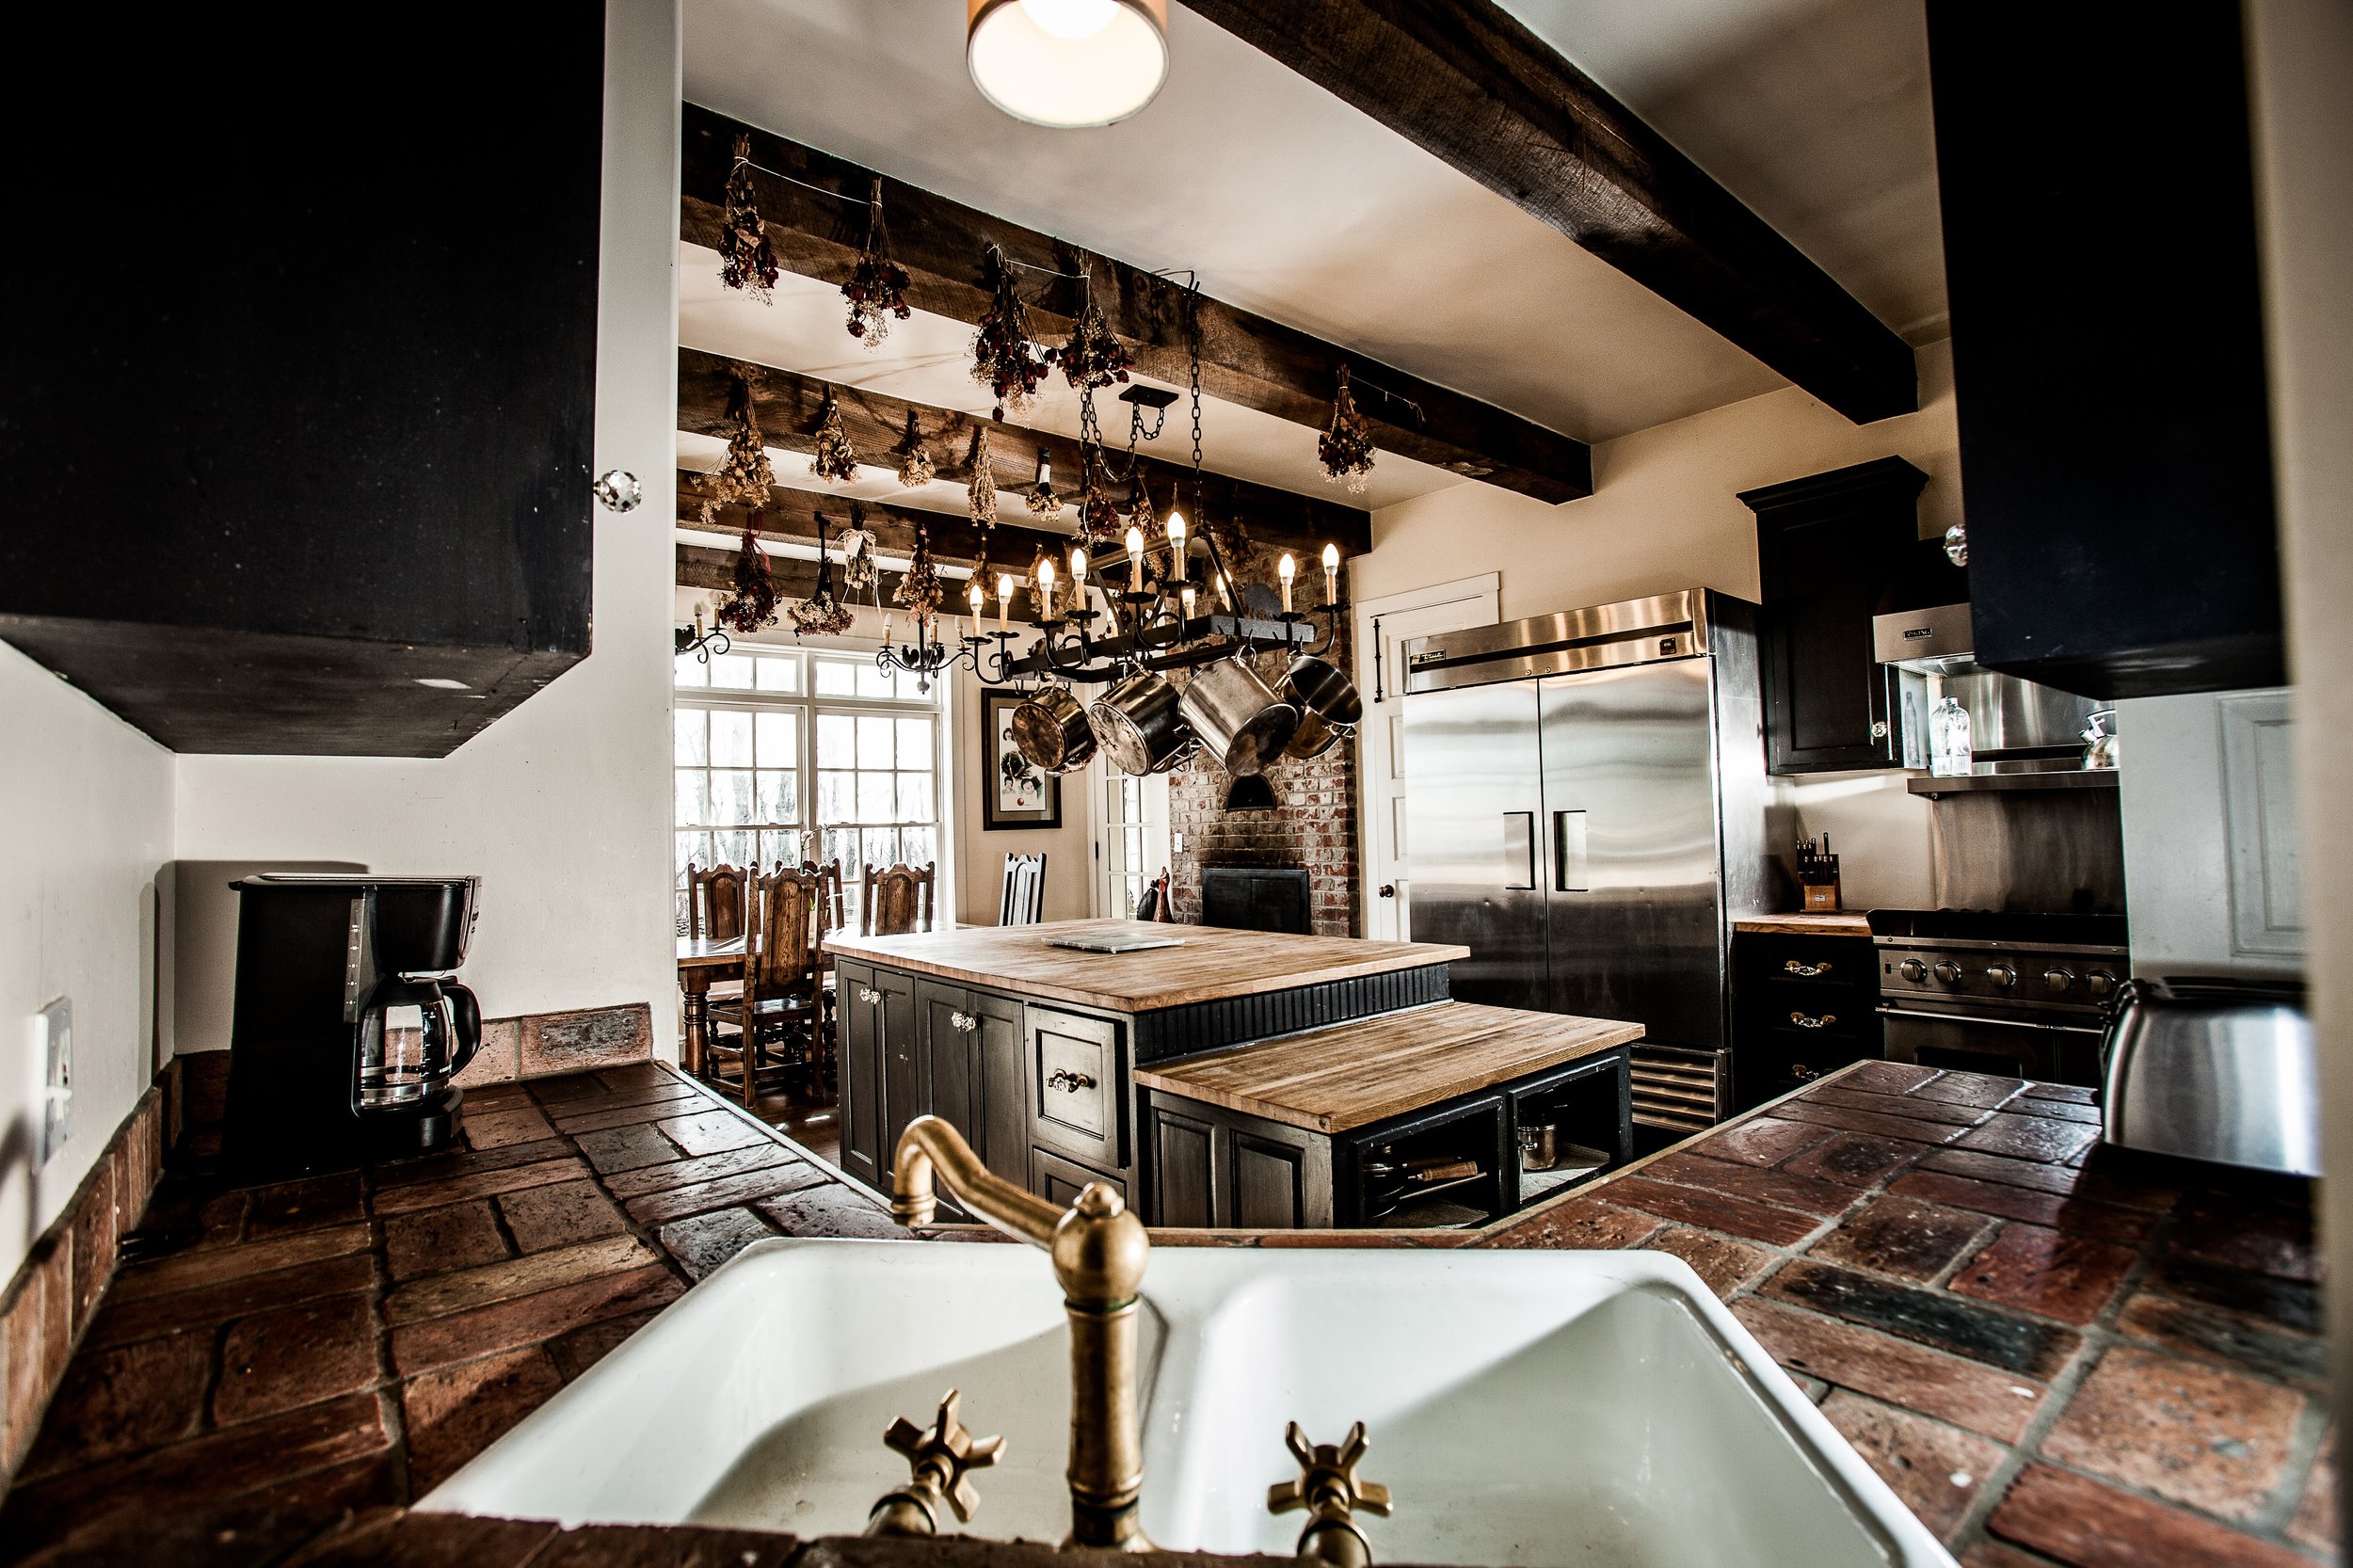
1804 1022
963 1023
1806 971
1069 1081
867 994
1802 1073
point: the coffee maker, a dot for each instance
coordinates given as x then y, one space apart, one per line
348 1028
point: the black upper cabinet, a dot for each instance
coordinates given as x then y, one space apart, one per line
1834 550
2107 349
301 365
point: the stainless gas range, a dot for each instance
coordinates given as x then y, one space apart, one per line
2024 996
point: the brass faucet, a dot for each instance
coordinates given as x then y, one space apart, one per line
1328 1489
1099 1249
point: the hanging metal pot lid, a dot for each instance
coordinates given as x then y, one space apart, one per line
1049 729
1319 686
1138 725
1242 725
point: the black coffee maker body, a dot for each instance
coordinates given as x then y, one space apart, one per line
349 1028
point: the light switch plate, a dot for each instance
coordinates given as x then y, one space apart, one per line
56 1042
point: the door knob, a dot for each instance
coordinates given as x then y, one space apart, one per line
1389 890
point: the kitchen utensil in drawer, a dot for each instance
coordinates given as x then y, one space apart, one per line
1540 1147
2219 1069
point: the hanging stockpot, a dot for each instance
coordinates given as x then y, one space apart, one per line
1328 705
1049 729
1241 724
1138 725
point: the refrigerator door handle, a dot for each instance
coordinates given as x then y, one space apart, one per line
1568 851
1519 849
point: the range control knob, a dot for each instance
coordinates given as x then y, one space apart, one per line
2058 980
1948 971
2002 975
2099 983
1913 969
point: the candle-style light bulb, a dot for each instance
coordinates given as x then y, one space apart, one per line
1004 597
1226 592
1079 567
1046 589
1286 569
973 596
1186 594
1177 530
1135 559
1331 574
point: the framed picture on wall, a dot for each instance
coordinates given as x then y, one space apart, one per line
1014 793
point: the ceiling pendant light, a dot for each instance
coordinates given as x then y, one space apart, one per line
1068 63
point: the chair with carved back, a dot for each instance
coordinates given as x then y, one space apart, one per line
895 900
832 915
1023 902
777 1017
714 902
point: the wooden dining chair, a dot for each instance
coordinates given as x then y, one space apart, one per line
714 902
832 915
1024 899
777 1019
895 900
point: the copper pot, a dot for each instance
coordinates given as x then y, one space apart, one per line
1049 729
1138 725
1242 725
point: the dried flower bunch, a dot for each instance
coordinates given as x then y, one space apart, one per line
857 550
1040 498
877 287
915 469
835 459
747 261
920 590
1098 515
1346 449
745 474
981 495
751 603
1005 355
1094 356
822 613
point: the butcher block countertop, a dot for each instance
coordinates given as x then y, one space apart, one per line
1351 1074
1213 962
1846 923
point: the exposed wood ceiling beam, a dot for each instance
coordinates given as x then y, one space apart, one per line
714 571
788 405
1469 82
1245 359
791 515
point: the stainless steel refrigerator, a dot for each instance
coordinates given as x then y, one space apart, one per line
1585 809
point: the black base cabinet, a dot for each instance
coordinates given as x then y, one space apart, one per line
1803 1006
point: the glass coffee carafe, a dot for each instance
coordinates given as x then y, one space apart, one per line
417 1032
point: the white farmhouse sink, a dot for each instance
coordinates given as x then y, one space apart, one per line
1543 1408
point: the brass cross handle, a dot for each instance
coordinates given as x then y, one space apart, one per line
1328 1489
942 1456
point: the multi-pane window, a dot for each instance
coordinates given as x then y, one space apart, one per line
792 755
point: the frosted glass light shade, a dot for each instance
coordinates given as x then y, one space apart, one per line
1068 63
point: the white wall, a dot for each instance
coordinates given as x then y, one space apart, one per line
563 807
1665 515
85 827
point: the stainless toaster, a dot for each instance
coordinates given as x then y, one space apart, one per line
2218 1069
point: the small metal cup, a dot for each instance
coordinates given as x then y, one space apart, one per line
1540 1147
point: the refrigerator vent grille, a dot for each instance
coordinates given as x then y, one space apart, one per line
1683 1091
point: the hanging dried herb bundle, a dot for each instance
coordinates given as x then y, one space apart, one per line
751 603
915 469
1041 500
920 590
822 613
1346 449
1005 357
981 496
1098 516
835 459
877 287
745 475
857 550
747 261
1094 356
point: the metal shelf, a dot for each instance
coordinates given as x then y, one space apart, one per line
2071 778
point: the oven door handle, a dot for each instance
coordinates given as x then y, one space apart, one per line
1888 1012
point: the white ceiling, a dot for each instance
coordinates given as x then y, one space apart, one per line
1294 205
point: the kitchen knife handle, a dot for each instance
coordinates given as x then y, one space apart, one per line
1568 853
1519 850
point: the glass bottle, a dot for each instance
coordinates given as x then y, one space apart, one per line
1949 755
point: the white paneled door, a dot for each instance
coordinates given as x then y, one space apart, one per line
1384 626
1130 836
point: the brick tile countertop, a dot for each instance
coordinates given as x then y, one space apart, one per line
2054 1353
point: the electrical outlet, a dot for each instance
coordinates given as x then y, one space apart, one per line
56 1048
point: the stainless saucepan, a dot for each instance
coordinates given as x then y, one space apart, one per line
1138 725
1328 705
1049 729
1242 725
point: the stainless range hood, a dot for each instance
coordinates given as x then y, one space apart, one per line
2014 726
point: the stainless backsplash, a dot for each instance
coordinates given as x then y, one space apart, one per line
2042 850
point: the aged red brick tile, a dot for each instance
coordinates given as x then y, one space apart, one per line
703 1241
682 1099
458 1235
589 1037
833 1209
2089 1526
563 1088
289 1207
1902 1237
628 1148
1855 1159
1887 1078
1989 1553
436 1295
1734 1216
1847 1119
1982 1091
1764 1141
212 1265
2190 1431
663 1110
2315 1521
582 1349
569 1211
671 1546
295 1356
2089 1185
1582 1222
714 1132
485 1131
93 1242
2220 1336
525 1320
2029 1138
1936 1469
1805 1195
2261 1237
2022 1203
208 1306
2047 1272
1930 1317
688 1173
2286 1303
399 1174
427 1541
482 1184
1913 1106
119 1401
656 1208
1723 1264
356 1483
1965 1393
453 1414
2060 1111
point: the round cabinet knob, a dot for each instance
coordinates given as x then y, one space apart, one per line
1913 969
2002 975
2099 983
2058 980
1948 972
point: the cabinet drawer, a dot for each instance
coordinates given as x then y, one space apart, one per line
1076 1089
1060 1181
1818 1010
1809 960
1791 1057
